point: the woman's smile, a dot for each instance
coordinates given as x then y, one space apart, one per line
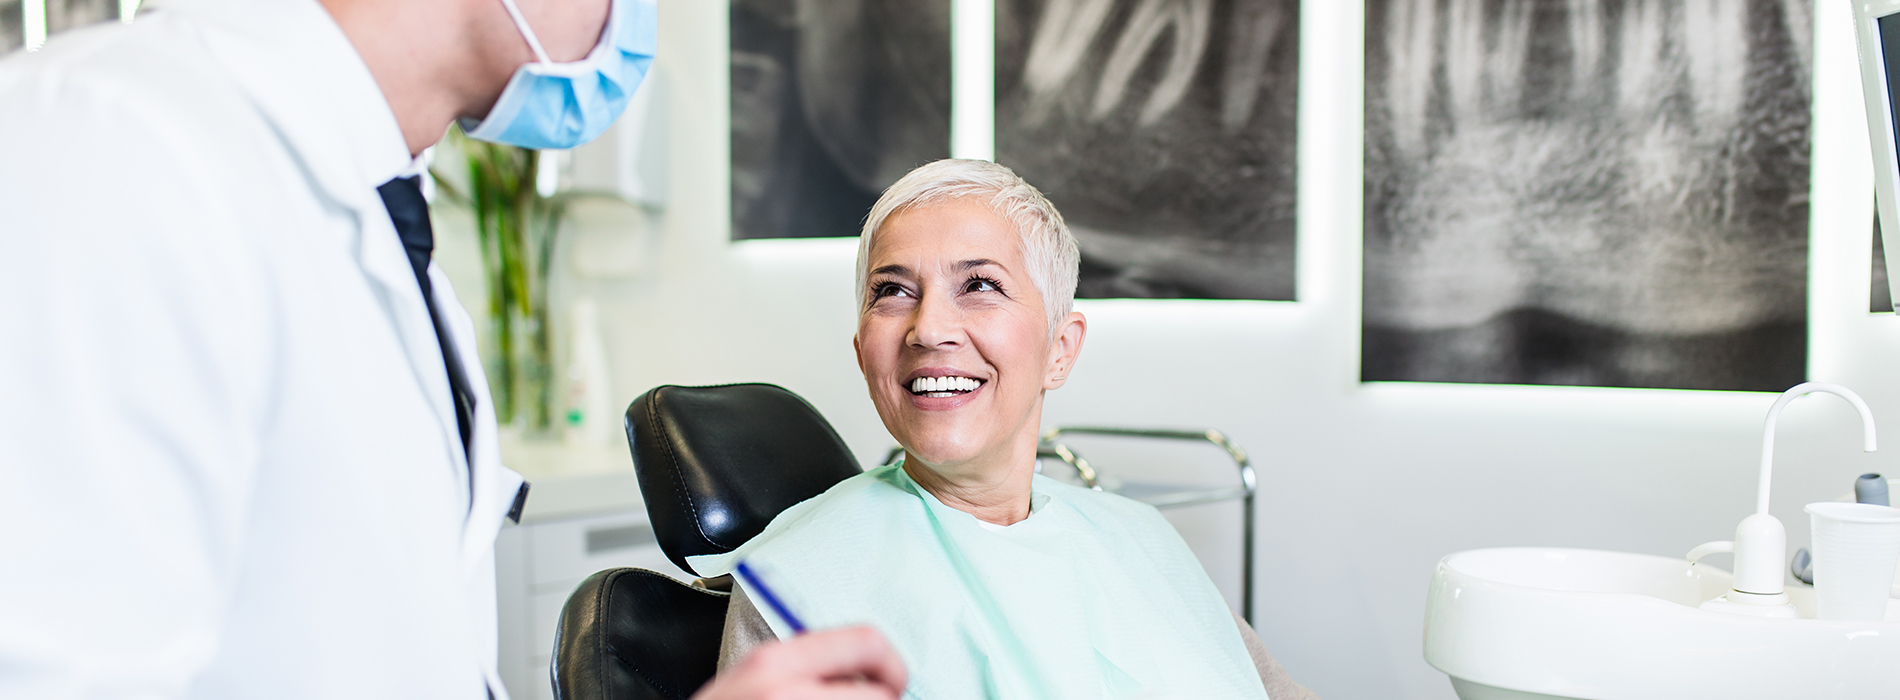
943 388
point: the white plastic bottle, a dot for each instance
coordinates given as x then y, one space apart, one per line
590 414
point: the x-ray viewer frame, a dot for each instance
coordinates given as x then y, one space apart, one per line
1877 33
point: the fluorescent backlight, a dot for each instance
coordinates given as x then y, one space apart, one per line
973 79
33 23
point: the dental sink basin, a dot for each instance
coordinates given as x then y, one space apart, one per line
1535 623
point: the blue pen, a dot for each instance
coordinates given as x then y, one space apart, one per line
753 583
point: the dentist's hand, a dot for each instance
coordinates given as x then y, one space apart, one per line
853 663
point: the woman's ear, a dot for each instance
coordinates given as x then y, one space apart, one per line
1064 349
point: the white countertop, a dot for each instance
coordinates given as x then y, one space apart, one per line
571 481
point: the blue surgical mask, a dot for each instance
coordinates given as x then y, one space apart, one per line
563 105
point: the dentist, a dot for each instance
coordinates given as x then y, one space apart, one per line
246 443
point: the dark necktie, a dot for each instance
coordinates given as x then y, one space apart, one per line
410 212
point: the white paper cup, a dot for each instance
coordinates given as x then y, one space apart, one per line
1856 547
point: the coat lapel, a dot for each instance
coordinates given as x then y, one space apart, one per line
386 265
493 486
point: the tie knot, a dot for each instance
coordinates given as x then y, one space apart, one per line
410 214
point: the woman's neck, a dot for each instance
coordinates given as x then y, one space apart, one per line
999 495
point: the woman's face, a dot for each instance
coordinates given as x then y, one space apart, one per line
953 340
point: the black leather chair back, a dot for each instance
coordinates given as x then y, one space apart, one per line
631 634
717 463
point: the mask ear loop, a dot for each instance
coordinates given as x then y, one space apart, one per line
521 23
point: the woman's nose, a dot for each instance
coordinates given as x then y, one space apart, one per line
937 323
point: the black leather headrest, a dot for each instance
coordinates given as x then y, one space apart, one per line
717 463
631 634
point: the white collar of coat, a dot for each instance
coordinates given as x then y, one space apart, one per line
305 75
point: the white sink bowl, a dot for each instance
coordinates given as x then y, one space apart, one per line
1533 623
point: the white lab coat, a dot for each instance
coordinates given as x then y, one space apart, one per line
229 464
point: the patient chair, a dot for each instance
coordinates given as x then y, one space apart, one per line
715 465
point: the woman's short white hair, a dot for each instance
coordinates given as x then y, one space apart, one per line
1048 247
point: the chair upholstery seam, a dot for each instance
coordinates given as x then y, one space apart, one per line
604 594
676 474
662 687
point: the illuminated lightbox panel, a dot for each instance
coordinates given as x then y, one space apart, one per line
1564 192
1162 129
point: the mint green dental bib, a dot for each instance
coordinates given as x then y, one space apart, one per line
1092 596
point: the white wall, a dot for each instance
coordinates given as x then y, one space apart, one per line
1364 487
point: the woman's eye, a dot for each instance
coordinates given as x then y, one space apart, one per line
888 289
980 284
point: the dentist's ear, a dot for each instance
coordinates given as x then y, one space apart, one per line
1063 350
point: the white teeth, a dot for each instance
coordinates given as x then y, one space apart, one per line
928 385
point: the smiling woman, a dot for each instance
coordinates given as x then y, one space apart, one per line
989 580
